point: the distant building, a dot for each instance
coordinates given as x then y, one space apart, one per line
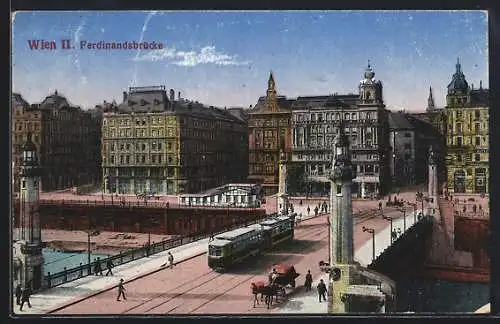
230 195
269 132
66 137
155 143
315 128
467 136
411 138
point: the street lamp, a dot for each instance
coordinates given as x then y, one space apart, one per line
404 218
389 219
372 232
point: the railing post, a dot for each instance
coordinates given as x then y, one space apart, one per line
65 274
121 257
81 270
49 284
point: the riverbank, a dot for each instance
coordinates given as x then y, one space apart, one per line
108 243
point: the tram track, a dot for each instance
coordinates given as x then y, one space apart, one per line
211 280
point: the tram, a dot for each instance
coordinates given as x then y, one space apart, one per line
237 245
233 247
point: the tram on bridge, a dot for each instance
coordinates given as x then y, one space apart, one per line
230 248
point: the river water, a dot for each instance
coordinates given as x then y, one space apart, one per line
56 261
440 296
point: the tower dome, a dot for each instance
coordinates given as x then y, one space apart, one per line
458 81
369 74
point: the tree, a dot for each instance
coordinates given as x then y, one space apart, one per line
296 179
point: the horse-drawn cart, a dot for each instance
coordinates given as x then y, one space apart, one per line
283 275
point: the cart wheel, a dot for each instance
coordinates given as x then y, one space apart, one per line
293 283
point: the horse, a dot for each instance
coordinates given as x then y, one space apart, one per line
266 291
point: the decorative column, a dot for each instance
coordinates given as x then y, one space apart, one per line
28 247
282 195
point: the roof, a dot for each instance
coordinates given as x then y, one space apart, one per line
284 105
398 121
231 235
145 99
458 81
330 101
54 101
218 242
480 97
365 290
18 100
224 188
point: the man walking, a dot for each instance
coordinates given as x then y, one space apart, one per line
25 297
309 280
97 267
322 290
170 260
109 266
121 291
18 293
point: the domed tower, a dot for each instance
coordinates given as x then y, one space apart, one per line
28 247
458 88
370 90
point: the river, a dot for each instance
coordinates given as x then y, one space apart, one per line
56 261
440 296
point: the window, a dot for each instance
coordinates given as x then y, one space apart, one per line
128 146
121 147
112 159
459 114
159 146
153 158
477 114
459 128
339 189
143 159
459 158
121 158
407 135
478 157
23 184
143 147
159 158
478 140
127 159
459 141
407 146
477 126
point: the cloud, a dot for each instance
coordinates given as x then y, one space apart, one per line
207 55
77 35
144 29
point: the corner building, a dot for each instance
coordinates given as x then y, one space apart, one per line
152 142
467 136
269 132
315 129
66 138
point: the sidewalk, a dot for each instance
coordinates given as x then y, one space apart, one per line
308 303
58 296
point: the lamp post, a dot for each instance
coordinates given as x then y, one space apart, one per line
404 218
372 232
389 219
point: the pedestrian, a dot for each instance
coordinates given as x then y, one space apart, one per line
121 291
308 210
109 265
322 290
300 202
25 297
379 205
97 267
18 293
309 280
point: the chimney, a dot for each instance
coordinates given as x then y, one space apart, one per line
179 96
124 96
481 85
172 95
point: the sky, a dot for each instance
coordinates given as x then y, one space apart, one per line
224 58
